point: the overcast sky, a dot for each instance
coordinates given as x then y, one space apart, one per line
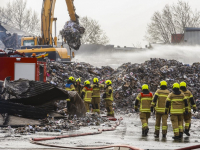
124 21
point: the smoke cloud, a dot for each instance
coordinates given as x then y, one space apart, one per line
185 54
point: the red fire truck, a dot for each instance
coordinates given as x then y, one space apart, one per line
16 65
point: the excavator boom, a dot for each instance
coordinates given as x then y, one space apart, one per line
48 18
44 44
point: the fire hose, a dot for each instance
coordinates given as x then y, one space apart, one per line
190 147
35 140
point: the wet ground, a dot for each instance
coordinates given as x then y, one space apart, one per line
129 133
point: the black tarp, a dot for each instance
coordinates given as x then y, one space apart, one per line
40 96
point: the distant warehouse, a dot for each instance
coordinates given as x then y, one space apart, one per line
192 36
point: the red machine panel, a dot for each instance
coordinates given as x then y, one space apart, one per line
7 66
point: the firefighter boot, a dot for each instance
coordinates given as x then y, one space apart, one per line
176 137
143 132
187 132
146 131
181 135
156 134
164 135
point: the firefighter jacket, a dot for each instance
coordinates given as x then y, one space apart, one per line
159 100
109 93
87 94
145 101
69 87
178 103
96 89
190 99
78 88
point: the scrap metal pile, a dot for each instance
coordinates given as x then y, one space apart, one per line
72 33
128 78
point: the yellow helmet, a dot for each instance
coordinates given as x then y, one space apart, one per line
87 82
183 84
163 83
108 82
71 78
176 85
145 87
78 80
95 80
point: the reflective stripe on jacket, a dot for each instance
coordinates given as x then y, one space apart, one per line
188 95
69 87
161 100
177 103
88 94
96 89
108 95
145 101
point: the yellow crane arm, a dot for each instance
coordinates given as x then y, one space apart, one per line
47 18
71 10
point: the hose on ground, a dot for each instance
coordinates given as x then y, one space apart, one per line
35 140
190 147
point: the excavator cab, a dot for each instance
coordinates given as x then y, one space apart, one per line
29 41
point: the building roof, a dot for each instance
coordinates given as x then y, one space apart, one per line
191 29
11 30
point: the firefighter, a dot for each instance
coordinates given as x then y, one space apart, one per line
158 103
178 103
86 95
145 99
108 97
96 95
69 87
78 86
190 100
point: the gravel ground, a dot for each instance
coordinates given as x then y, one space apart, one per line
129 133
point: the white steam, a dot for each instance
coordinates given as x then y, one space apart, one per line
185 54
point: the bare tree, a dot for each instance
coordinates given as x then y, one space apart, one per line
93 32
17 15
172 20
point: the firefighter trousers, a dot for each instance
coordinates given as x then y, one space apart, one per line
109 108
177 123
87 106
144 116
187 120
164 123
96 104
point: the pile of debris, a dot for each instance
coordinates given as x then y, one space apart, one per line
51 124
33 99
128 78
74 122
72 33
